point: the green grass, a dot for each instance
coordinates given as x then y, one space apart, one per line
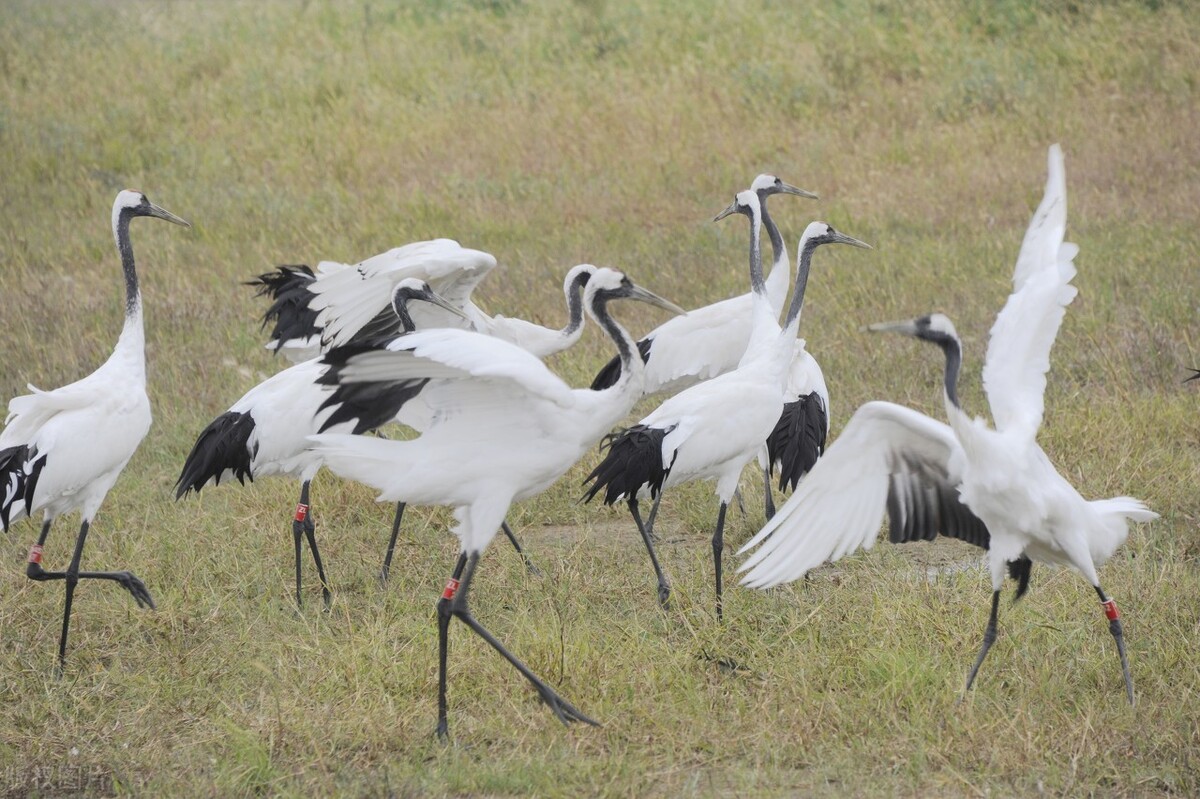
551 134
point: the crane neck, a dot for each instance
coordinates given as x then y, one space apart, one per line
132 334
631 366
803 265
952 348
756 273
574 291
777 280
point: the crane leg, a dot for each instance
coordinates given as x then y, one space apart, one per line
718 546
1114 627
458 591
297 531
989 638
769 499
737 494
391 549
72 576
310 532
653 515
529 567
443 615
664 585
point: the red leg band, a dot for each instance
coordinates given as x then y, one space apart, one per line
301 512
35 554
451 589
1110 609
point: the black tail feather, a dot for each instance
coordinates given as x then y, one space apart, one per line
1019 570
1195 374
798 439
222 447
611 372
634 460
288 289
20 468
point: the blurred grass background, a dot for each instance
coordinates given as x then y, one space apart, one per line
551 134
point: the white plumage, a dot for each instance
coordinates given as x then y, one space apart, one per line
62 450
995 487
265 433
711 340
339 302
713 429
504 428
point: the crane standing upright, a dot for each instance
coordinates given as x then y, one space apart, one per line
62 450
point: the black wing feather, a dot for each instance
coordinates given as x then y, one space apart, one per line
368 404
288 288
222 447
20 468
922 504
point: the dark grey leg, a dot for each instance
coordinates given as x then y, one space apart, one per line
391 549
443 615
310 530
72 576
1114 627
529 567
653 515
297 531
564 710
664 585
718 545
769 501
989 638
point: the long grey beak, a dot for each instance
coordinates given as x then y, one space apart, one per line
732 208
908 327
842 238
787 188
433 297
163 213
647 296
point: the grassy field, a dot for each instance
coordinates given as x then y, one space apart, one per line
551 134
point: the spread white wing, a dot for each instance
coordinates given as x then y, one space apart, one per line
889 458
1018 356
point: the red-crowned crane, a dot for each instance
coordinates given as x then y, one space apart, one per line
713 429
993 487
504 429
62 450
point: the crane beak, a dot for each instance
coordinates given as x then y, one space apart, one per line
842 238
732 207
645 295
908 327
163 213
434 298
787 188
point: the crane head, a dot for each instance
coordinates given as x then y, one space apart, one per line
936 328
745 203
611 284
134 203
765 185
818 233
413 288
